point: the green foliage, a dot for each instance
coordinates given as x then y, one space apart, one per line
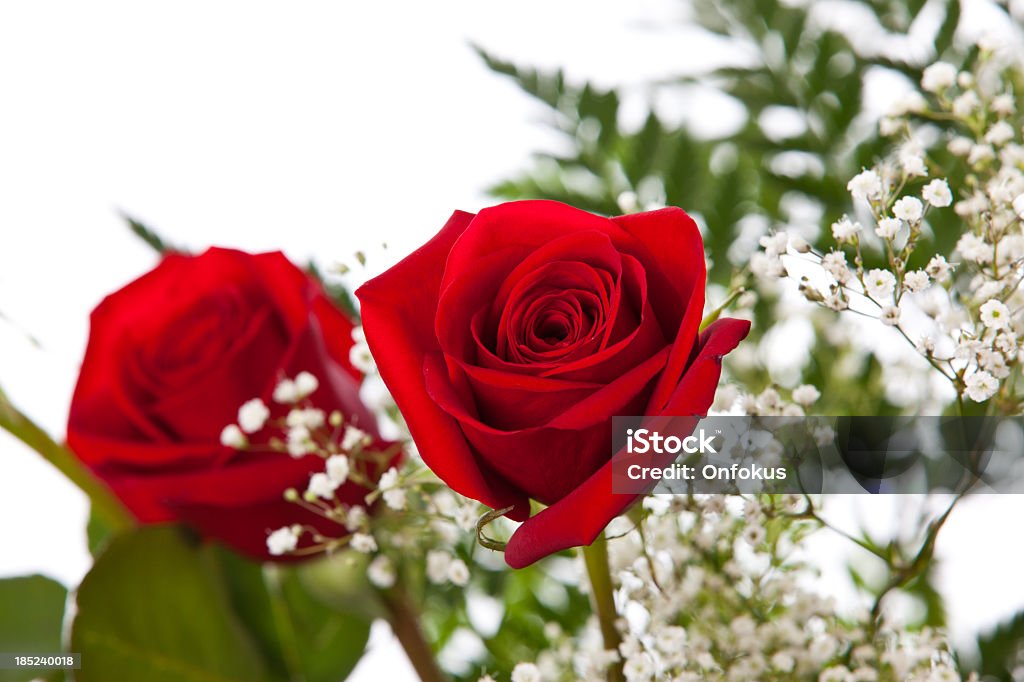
1001 650
30 622
150 609
811 72
529 599
814 75
150 236
302 637
157 606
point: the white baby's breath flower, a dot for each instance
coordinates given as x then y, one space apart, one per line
981 386
282 541
988 290
836 301
926 345
966 349
879 283
938 76
966 104
1003 104
253 415
937 193
363 542
458 573
890 316
974 248
774 244
999 134
960 146
395 499
438 562
389 479
310 417
353 438
337 468
232 437
979 153
916 281
913 165
1018 206
994 363
783 661
355 516
285 392
844 229
806 394
799 244
361 358
995 314
938 268
381 572
300 441
834 263
908 209
306 384
769 267
888 228
466 517
321 485
889 126
1006 342
865 185
754 534
526 672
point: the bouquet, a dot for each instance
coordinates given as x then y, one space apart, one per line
279 455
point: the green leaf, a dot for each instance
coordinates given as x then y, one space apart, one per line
98 533
1001 649
30 621
152 609
150 236
548 88
302 637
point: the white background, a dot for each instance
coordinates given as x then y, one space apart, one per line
318 127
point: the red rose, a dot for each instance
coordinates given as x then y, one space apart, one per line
512 337
173 355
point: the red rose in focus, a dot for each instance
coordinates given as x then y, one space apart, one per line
171 358
512 337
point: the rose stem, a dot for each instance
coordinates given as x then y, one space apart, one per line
104 504
404 620
595 556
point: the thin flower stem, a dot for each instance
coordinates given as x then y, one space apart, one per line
404 619
595 556
105 505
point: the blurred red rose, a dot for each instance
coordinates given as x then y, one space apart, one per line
173 355
512 337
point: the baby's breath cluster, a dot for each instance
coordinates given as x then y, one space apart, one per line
349 455
773 401
961 309
709 591
432 521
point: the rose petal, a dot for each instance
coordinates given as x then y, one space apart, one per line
578 518
399 323
549 460
673 241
